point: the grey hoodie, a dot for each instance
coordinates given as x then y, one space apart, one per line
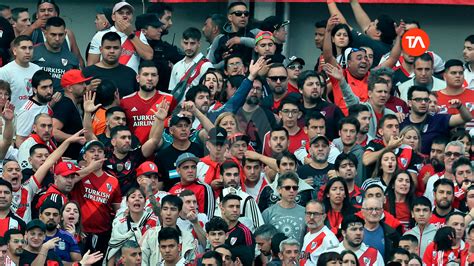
358 151
424 238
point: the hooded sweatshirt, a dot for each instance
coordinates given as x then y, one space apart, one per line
424 238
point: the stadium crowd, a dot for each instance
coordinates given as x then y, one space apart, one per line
144 153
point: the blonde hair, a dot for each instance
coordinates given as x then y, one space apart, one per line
224 115
404 131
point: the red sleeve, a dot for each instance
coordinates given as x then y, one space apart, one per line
117 195
428 256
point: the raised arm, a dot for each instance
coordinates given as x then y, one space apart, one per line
397 47
336 72
89 109
327 45
464 115
361 17
8 114
144 50
155 138
334 10
270 162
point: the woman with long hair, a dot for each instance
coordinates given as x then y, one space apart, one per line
349 258
400 195
411 137
384 170
341 39
441 252
329 258
228 121
337 203
213 80
71 221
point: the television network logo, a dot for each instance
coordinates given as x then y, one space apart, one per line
415 42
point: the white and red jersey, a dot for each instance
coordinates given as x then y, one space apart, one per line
95 195
186 225
123 224
367 256
314 244
140 112
257 189
204 195
21 203
148 206
25 116
8 262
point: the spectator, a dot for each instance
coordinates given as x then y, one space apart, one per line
11 220
21 20
15 246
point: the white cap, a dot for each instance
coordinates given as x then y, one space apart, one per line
120 5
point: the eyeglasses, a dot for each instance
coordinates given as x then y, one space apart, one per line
287 188
315 214
288 112
293 67
240 13
372 209
18 241
278 78
455 154
419 100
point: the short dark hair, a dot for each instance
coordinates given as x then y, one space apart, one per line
16 12
173 200
386 26
168 233
39 76
454 213
186 193
192 33
315 115
236 3
36 147
10 232
21 38
5 86
280 128
399 251
349 120
216 224
410 238
440 140
453 62
304 76
351 219
219 20
321 23
460 162
230 196
146 63
55 22
470 38
194 90
423 201
4 7
213 255
289 100
288 175
385 118
3 182
227 59
266 231
414 88
114 131
471 227
424 57
110 36
276 65
227 165
109 112
345 156
443 181
159 9
105 92
378 80
356 109
286 154
412 21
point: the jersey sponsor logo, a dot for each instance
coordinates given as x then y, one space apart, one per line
143 120
415 42
97 196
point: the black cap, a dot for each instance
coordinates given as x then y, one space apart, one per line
273 23
319 137
147 19
35 224
294 59
217 136
178 117
48 204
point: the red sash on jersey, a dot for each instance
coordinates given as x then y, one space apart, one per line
369 257
50 144
195 74
311 247
128 50
262 186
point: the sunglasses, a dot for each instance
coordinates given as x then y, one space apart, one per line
240 13
288 188
455 154
276 78
293 67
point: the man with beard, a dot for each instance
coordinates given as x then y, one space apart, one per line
122 160
319 237
109 67
66 248
352 228
231 181
200 95
15 243
311 86
140 106
9 219
51 55
432 125
277 77
362 113
253 118
134 44
39 103
263 238
193 61
443 198
317 172
349 127
434 164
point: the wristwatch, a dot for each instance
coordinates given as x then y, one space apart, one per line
131 36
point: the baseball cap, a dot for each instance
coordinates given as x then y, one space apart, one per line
187 156
121 5
237 137
147 168
178 117
217 136
264 35
73 76
273 23
65 169
35 224
48 204
148 19
106 11
294 59
93 143
319 137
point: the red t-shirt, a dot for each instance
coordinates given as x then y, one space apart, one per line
466 97
439 257
359 88
204 195
292 88
403 214
295 142
140 116
95 195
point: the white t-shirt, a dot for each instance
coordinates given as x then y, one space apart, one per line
25 116
21 203
20 81
97 40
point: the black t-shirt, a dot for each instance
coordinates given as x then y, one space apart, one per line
124 169
165 160
123 77
27 258
380 48
319 176
67 112
6 38
164 54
